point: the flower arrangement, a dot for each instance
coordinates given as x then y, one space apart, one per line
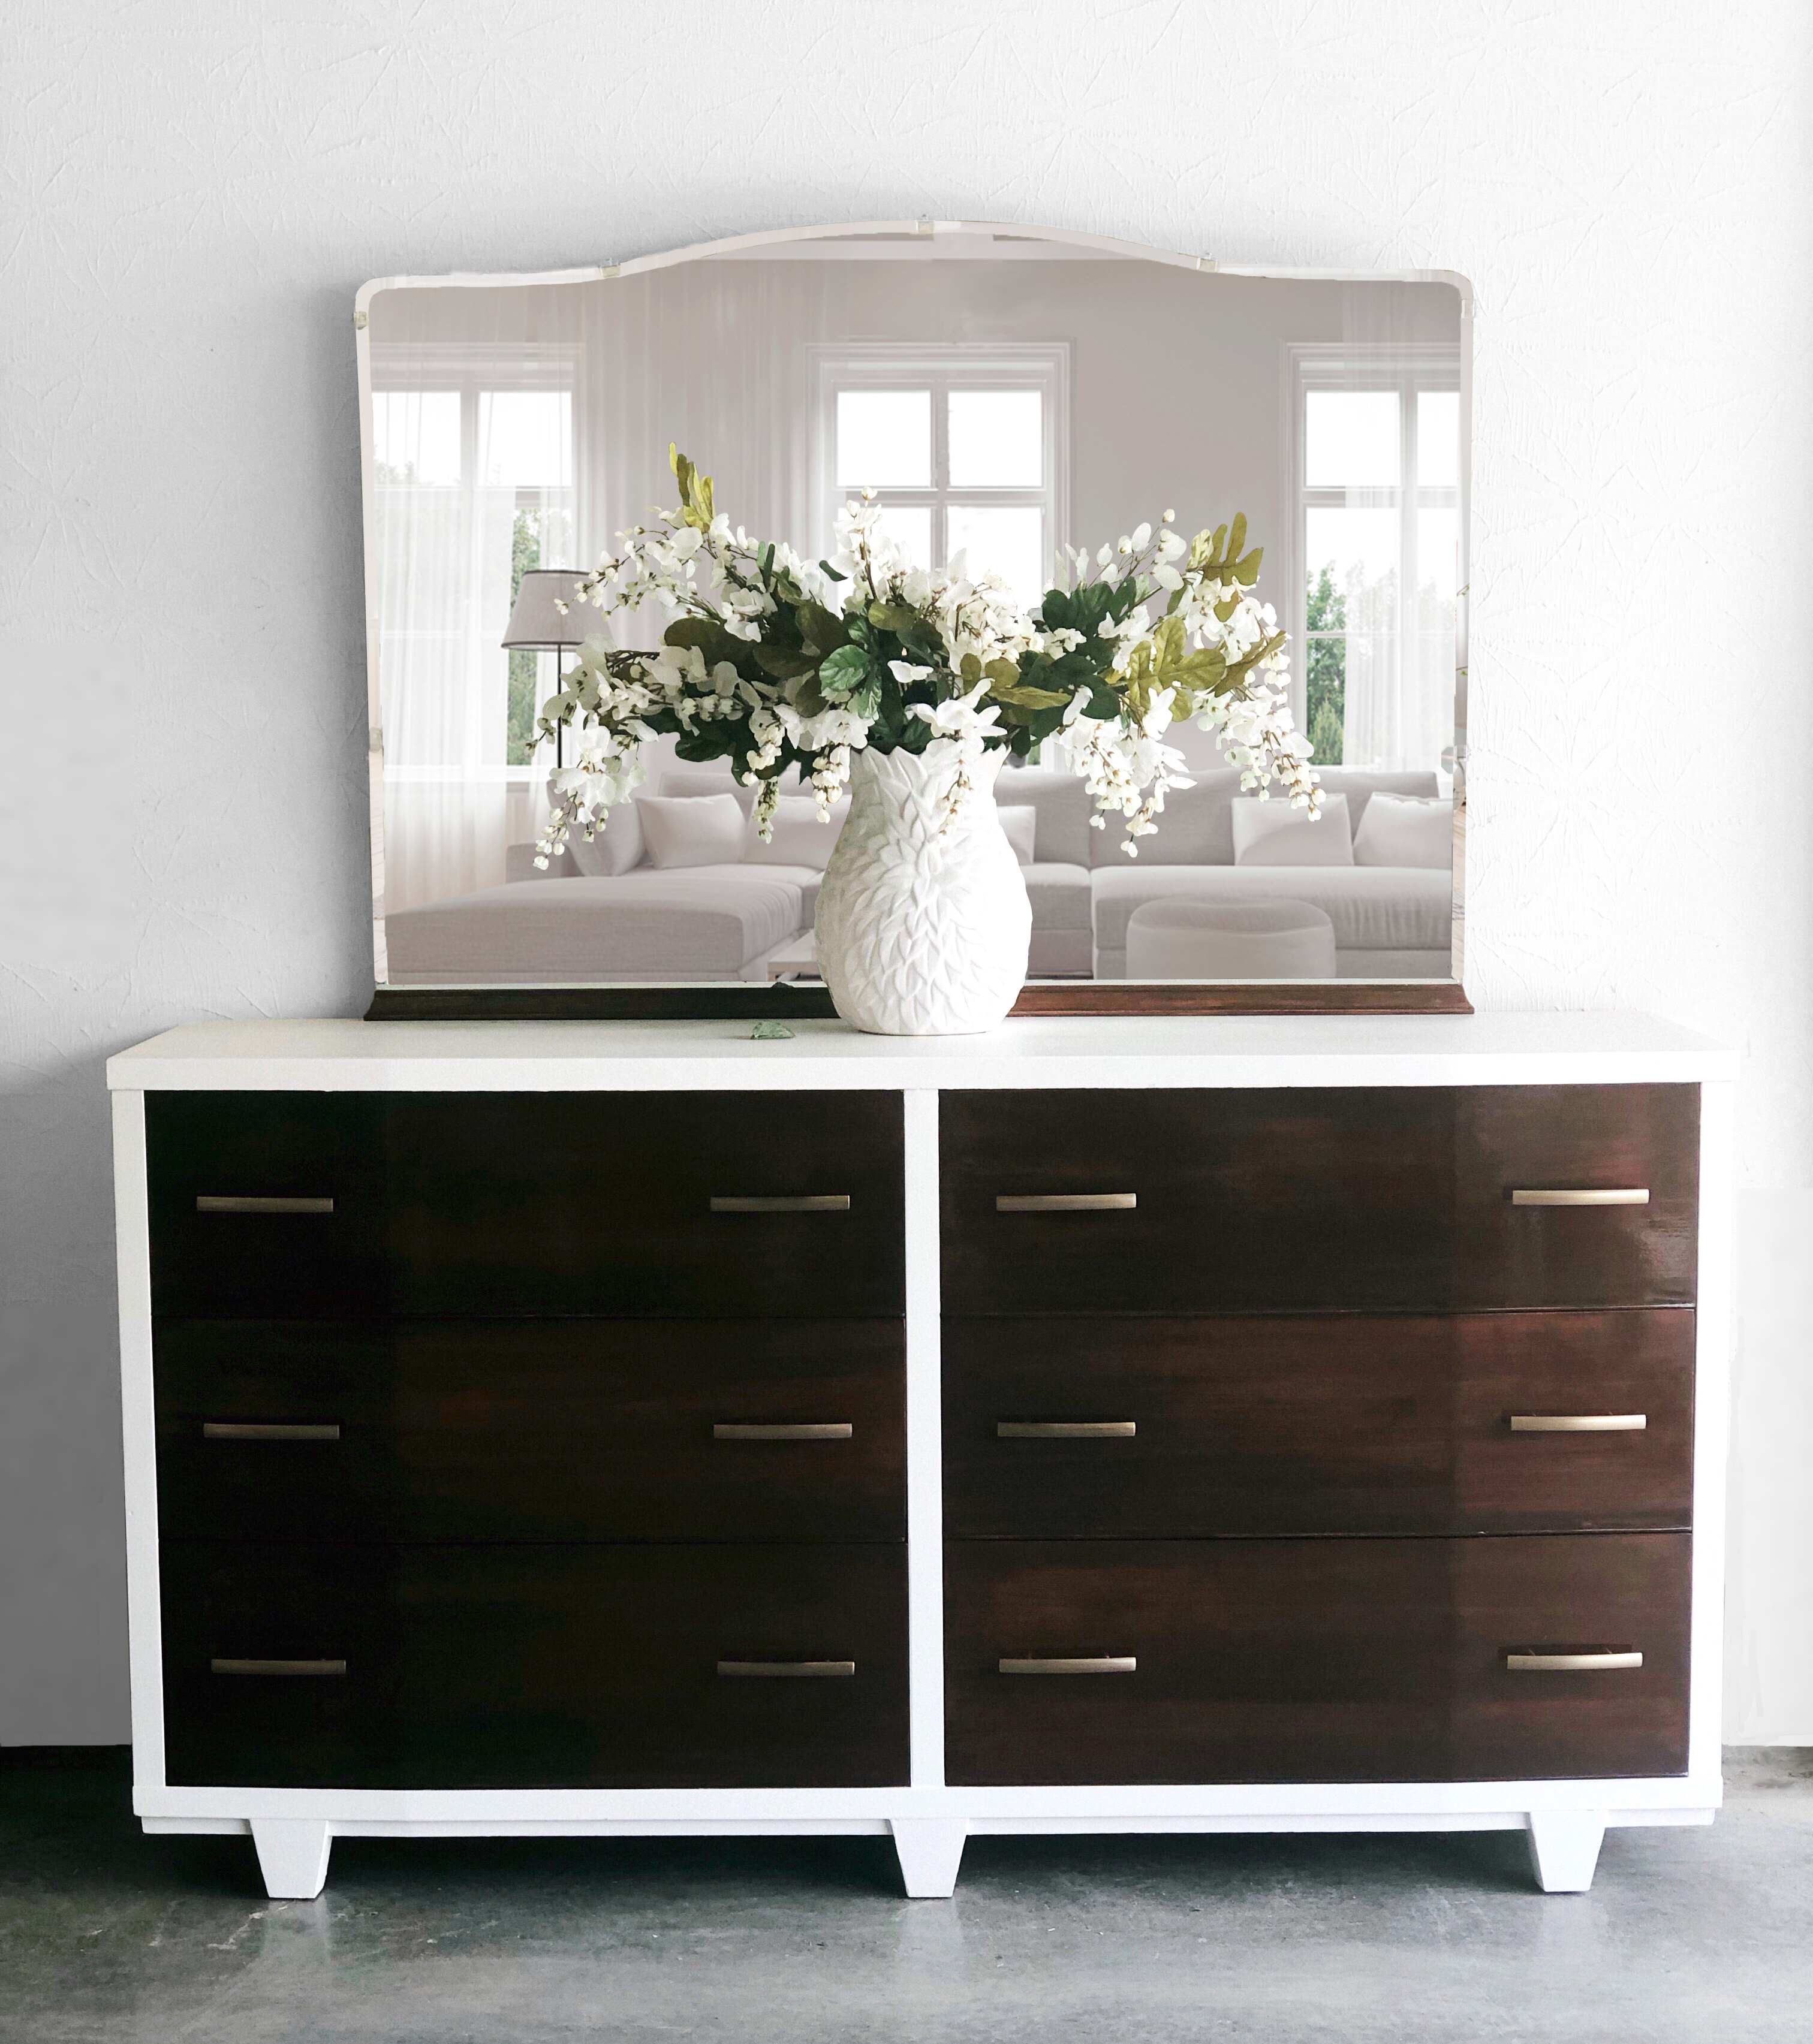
772 663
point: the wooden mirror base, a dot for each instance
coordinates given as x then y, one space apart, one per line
783 1002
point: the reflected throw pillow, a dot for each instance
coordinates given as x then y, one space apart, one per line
692 830
1020 822
1274 834
1407 830
799 839
707 781
616 843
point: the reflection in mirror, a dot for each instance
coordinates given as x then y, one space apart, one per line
985 385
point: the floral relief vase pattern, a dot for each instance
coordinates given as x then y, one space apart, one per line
923 921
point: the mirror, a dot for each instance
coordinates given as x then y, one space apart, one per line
1004 394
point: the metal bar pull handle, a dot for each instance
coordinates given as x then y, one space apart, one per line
220 1203
1610 1196
225 1667
756 1671
782 1203
1065 1430
234 1430
811 1430
1579 1422
1065 1202
1569 1664
1070 1664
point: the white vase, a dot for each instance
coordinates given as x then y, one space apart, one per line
923 921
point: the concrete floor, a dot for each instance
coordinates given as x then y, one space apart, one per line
1690 1935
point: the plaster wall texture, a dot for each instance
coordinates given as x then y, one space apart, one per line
194 192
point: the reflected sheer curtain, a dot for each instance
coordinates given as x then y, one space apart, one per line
456 466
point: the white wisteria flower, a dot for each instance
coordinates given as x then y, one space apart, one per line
778 664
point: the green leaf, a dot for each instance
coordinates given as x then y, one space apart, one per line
709 636
842 672
1236 535
1247 572
1103 702
1167 644
832 572
820 627
1004 674
783 664
1029 698
1057 611
1200 669
969 669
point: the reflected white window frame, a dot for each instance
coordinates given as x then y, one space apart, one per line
1410 368
940 368
427 366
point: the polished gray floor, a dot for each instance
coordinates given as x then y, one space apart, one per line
1689 1935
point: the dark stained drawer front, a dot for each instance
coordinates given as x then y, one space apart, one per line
1525 1155
274 1205
549 1429
1318 1200
1316 1660
1080 1427
535 1667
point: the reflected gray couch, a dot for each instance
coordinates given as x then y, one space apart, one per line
1391 922
724 922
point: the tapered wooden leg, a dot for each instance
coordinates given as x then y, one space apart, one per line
292 1855
1564 1848
930 1850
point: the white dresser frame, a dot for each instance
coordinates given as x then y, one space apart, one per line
1564 1820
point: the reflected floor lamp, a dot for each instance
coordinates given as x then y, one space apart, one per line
537 626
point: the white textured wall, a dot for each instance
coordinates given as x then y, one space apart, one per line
194 188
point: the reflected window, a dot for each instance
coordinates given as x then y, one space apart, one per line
967 449
1376 436
473 465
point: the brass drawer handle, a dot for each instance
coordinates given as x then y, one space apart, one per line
277 1667
784 1203
1065 1202
814 1430
1568 1664
756 1669
1070 1664
1065 1430
1579 1422
234 1430
235 1203
1613 1195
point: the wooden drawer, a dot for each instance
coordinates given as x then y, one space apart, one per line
706 1204
534 1667
1362 1200
568 1431
1350 1424
1315 1660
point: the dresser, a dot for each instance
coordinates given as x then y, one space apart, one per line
1157 1424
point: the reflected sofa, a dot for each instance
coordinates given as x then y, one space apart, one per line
726 922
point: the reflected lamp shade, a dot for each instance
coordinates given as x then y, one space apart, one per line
535 619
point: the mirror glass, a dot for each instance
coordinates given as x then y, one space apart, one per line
1005 395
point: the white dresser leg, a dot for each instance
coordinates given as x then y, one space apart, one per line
930 1850
292 1855
1564 1848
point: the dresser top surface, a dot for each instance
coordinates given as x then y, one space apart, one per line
1497 1048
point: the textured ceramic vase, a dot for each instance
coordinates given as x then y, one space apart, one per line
923 921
